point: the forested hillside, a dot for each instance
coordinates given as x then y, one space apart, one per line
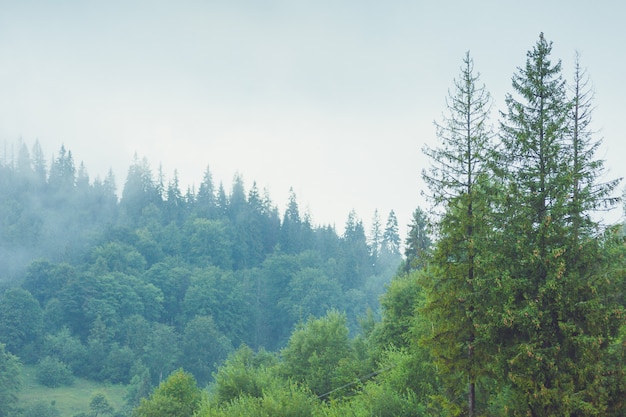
509 300
130 290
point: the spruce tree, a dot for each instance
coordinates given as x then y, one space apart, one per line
205 200
587 194
375 238
418 242
291 228
553 317
391 237
457 180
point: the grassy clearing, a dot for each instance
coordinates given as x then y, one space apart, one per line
69 400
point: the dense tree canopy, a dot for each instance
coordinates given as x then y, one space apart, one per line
126 291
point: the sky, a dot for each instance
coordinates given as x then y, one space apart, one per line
333 98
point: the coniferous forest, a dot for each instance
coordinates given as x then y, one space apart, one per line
506 297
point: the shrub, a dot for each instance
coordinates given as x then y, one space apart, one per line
51 372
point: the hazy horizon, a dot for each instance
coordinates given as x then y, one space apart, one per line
334 100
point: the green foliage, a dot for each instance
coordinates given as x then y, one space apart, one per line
9 381
45 280
99 405
515 309
587 192
378 400
458 180
554 316
110 297
411 372
274 300
133 277
289 400
218 293
310 293
418 242
162 351
134 333
316 351
41 409
204 347
140 387
98 344
356 263
209 243
21 323
52 373
391 238
245 374
118 257
139 190
119 365
173 279
177 396
399 303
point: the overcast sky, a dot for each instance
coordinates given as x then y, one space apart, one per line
333 98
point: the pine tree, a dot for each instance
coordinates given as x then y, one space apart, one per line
457 180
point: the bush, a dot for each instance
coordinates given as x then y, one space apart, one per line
68 349
51 372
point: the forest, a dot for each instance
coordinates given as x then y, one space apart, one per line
504 299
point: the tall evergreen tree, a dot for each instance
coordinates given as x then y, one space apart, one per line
82 180
139 190
205 200
356 264
237 199
554 314
457 180
175 203
586 193
62 172
391 237
221 201
24 166
418 242
291 228
375 238
39 164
